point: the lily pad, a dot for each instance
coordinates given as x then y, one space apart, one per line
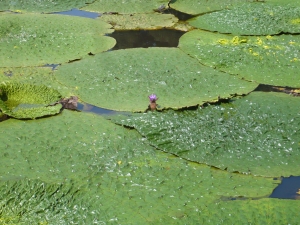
123 79
139 21
28 101
203 6
87 168
41 5
35 76
270 60
126 6
252 19
39 39
257 134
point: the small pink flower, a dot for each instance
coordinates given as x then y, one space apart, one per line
153 98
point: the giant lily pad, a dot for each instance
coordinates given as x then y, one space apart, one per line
35 76
91 169
28 101
252 19
139 21
126 6
258 134
41 5
269 60
123 79
39 39
202 6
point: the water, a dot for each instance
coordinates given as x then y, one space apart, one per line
288 188
77 12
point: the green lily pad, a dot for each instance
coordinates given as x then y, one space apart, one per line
203 6
35 76
81 168
35 202
39 39
28 101
139 21
252 19
41 5
270 60
123 80
87 168
257 134
126 6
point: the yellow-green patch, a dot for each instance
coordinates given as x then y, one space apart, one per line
24 101
268 59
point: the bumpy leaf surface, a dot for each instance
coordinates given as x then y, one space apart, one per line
252 19
258 134
83 168
39 39
28 101
270 60
123 79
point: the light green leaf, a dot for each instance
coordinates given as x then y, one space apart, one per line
139 21
39 39
123 80
28 101
257 134
126 6
252 19
270 60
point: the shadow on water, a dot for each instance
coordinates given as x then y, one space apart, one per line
146 38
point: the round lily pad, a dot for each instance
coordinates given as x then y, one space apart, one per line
28 101
126 6
139 21
123 80
39 39
257 134
41 5
270 60
252 19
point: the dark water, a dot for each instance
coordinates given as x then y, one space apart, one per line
146 38
288 188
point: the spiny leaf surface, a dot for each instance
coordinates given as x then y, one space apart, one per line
257 134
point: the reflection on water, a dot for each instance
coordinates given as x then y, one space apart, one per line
77 12
288 189
84 107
